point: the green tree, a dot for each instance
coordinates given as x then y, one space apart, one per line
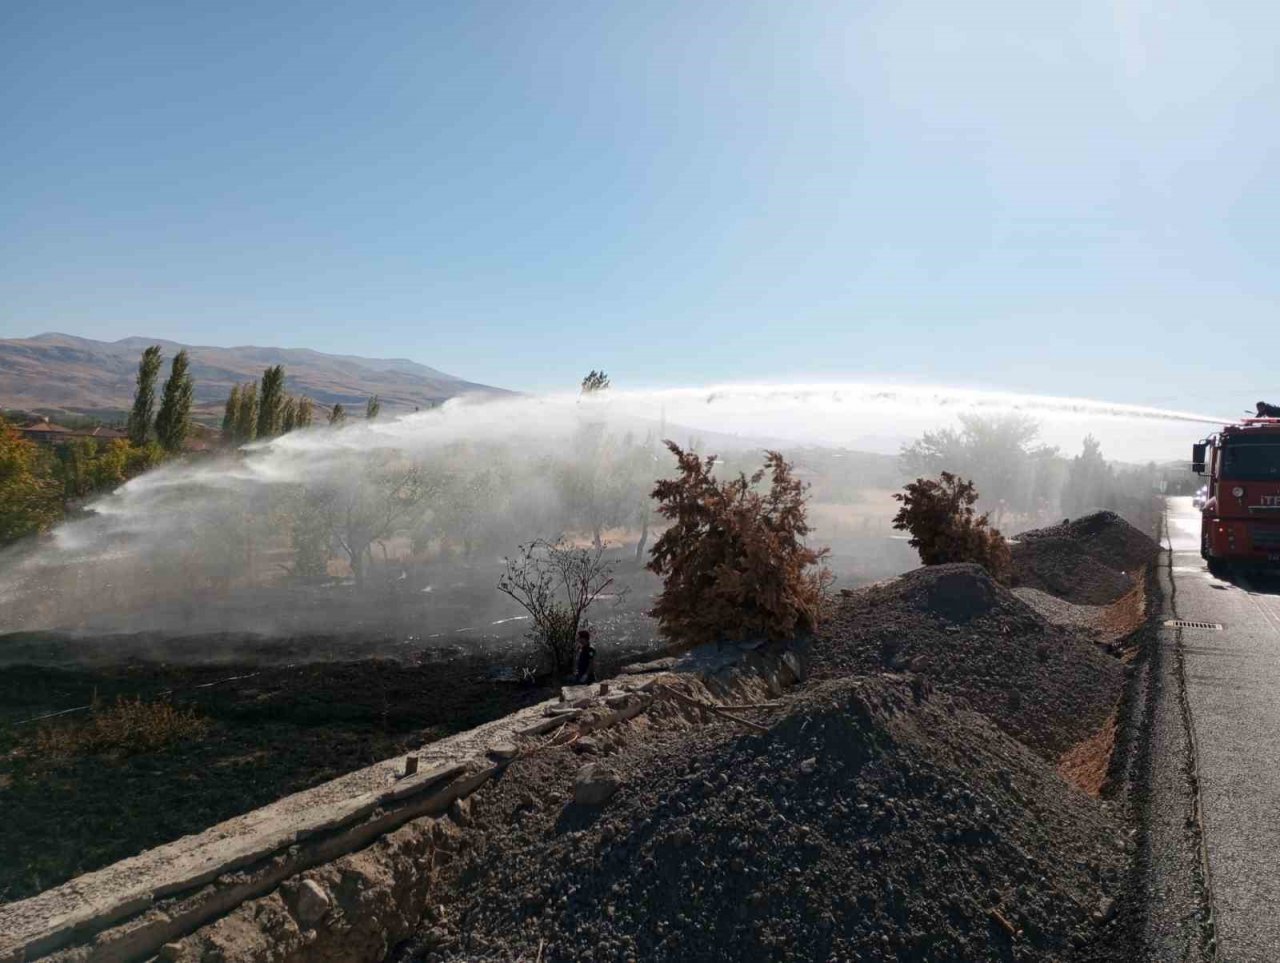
1090 481
270 402
247 415
372 407
1001 454
595 381
230 413
337 416
305 413
174 420
288 414
30 496
144 397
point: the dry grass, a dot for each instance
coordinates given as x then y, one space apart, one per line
128 726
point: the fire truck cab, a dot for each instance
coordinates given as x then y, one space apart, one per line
1240 519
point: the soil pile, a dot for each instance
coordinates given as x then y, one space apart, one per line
1093 560
873 821
1044 684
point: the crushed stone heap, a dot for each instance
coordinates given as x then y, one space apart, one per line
1093 560
871 822
955 625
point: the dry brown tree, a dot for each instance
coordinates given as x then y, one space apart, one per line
734 562
944 527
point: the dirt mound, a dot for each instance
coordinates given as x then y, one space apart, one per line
1045 685
869 823
1093 560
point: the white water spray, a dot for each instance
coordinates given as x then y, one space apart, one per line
220 543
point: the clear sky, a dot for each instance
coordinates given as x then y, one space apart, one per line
1076 198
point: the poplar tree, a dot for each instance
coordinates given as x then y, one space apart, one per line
288 414
305 413
230 413
372 407
144 398
174 421
595 381
247 415
270 402
338 415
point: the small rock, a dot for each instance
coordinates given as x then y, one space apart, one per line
170 951
503 751
809 765
594 785
1106 909
919 663
460 812
313 903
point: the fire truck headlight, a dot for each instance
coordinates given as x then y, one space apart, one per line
1238 492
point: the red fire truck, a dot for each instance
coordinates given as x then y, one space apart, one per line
1240 520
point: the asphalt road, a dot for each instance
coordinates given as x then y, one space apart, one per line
1232 678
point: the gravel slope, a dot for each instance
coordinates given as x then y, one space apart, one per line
1043 684
872 822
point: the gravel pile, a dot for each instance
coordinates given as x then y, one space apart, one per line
1106 623
1046 685
874 821
1093 560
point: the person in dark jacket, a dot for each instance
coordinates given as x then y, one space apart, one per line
584 662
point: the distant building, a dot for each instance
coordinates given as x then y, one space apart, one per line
47 432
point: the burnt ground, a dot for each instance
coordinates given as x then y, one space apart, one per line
273 729
874 821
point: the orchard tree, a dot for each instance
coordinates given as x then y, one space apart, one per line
174 421
368 504
144 396
1001 454
30 496
1090 480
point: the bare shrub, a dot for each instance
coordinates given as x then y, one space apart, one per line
734 562
556 583
944 527
128 726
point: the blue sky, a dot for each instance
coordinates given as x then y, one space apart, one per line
1070 198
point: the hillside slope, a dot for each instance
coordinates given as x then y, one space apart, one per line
59 372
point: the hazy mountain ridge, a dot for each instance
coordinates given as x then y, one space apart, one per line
61 372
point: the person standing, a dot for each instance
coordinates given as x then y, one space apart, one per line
584 663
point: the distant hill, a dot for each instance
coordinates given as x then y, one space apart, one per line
54 373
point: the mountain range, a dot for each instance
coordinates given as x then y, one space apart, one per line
53 373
